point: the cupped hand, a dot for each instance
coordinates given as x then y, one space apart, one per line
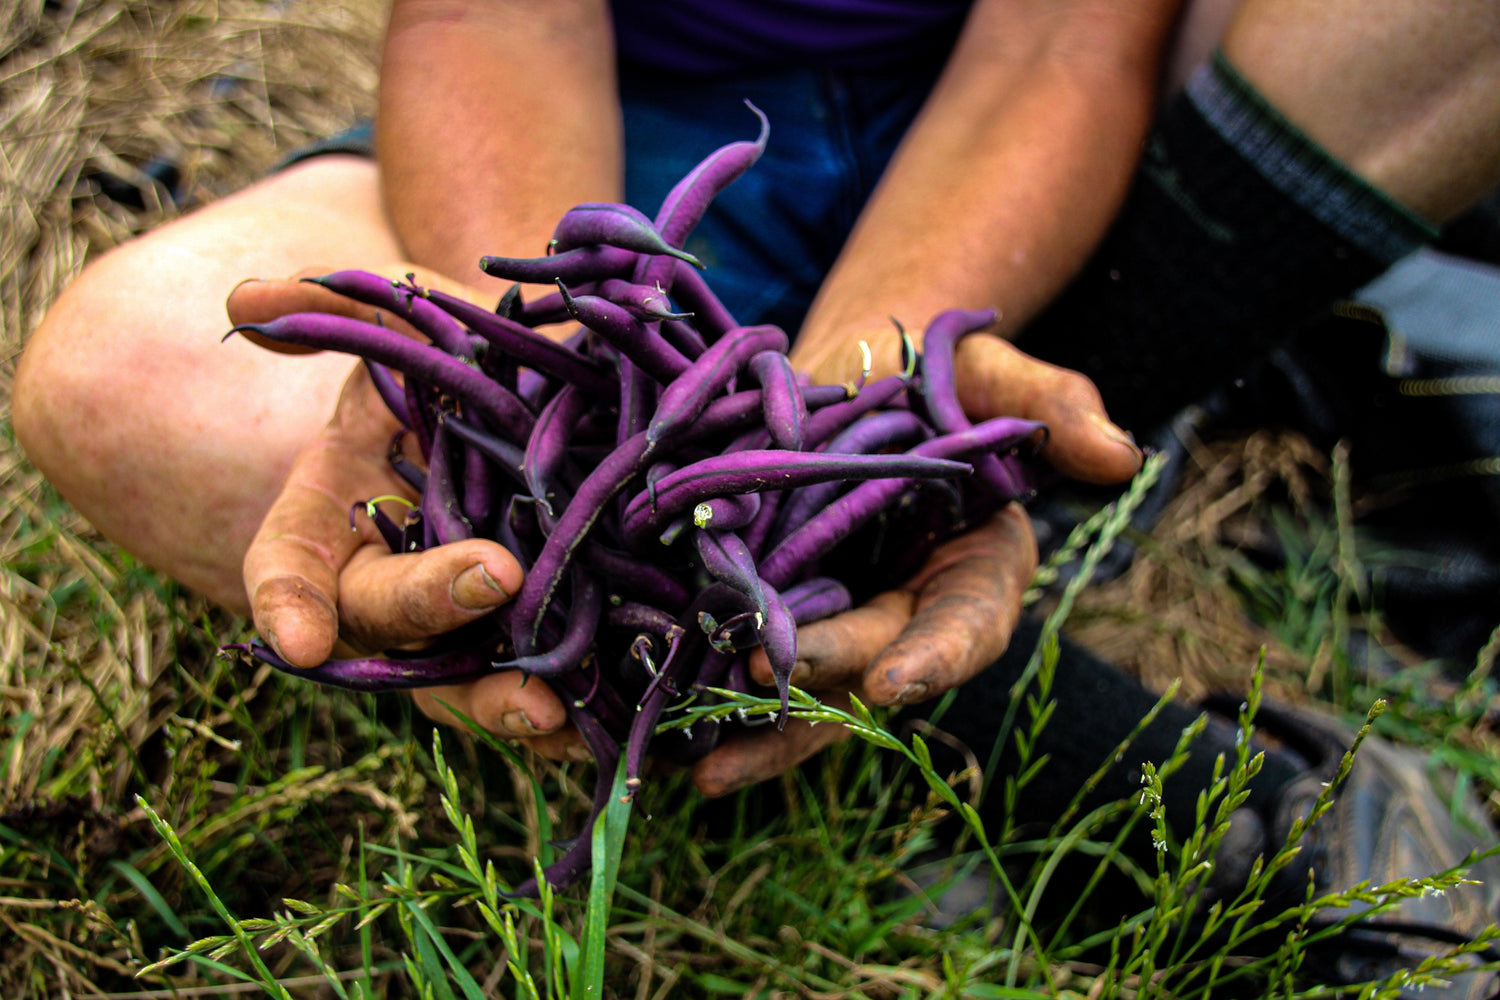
955 617
994 378
318 587
933 633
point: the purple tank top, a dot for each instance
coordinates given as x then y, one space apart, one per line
713 37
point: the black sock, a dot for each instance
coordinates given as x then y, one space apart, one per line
1097 708
1237 229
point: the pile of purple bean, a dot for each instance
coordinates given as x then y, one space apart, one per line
675 492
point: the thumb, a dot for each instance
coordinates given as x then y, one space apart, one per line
995 378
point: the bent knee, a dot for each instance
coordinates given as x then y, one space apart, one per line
48 386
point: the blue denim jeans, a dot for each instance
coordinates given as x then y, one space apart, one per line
770 238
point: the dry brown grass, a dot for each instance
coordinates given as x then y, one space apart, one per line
223 89
90 87
1176 613
86 88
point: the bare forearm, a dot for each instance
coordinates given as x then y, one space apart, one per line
495 118
1007 179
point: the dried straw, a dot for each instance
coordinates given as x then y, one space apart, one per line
94 87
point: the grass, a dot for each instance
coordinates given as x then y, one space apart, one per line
271 839
173 824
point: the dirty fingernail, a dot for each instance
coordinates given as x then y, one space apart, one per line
271 640
475 590
1114 432
516 724
910 694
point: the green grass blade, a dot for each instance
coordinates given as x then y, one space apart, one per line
164 830
153 898
609 843
460 975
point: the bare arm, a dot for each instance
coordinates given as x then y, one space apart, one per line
1008 177
495 118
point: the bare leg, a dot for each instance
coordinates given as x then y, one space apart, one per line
172 443
1406 93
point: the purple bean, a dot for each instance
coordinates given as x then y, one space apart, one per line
830 420
382 673
639 617
816 599
637 401
573 526
710 318
510 305
526 346
403 301
755 471
643 580
871 433
689 198
441 510
784 407
409 471
614 225
658 693
547 450
392 393
583 622
727 513
422 402
687 396
633 338
778 638
351 336
574 267
724 557
646 302
758 532
940 394
507 457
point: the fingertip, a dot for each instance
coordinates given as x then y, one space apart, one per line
1088 446
540 705
1121 454
296 619
477 589
714 780
892 689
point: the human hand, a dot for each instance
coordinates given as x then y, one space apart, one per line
316 587
932 633
994 378
956 615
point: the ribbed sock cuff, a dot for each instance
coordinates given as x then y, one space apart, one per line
1238 230
1301 169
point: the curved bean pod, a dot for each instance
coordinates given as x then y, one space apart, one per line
785 409
404 301
326 331
574 267
688 394
756 471
381 673
631 337
525 346
614 225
